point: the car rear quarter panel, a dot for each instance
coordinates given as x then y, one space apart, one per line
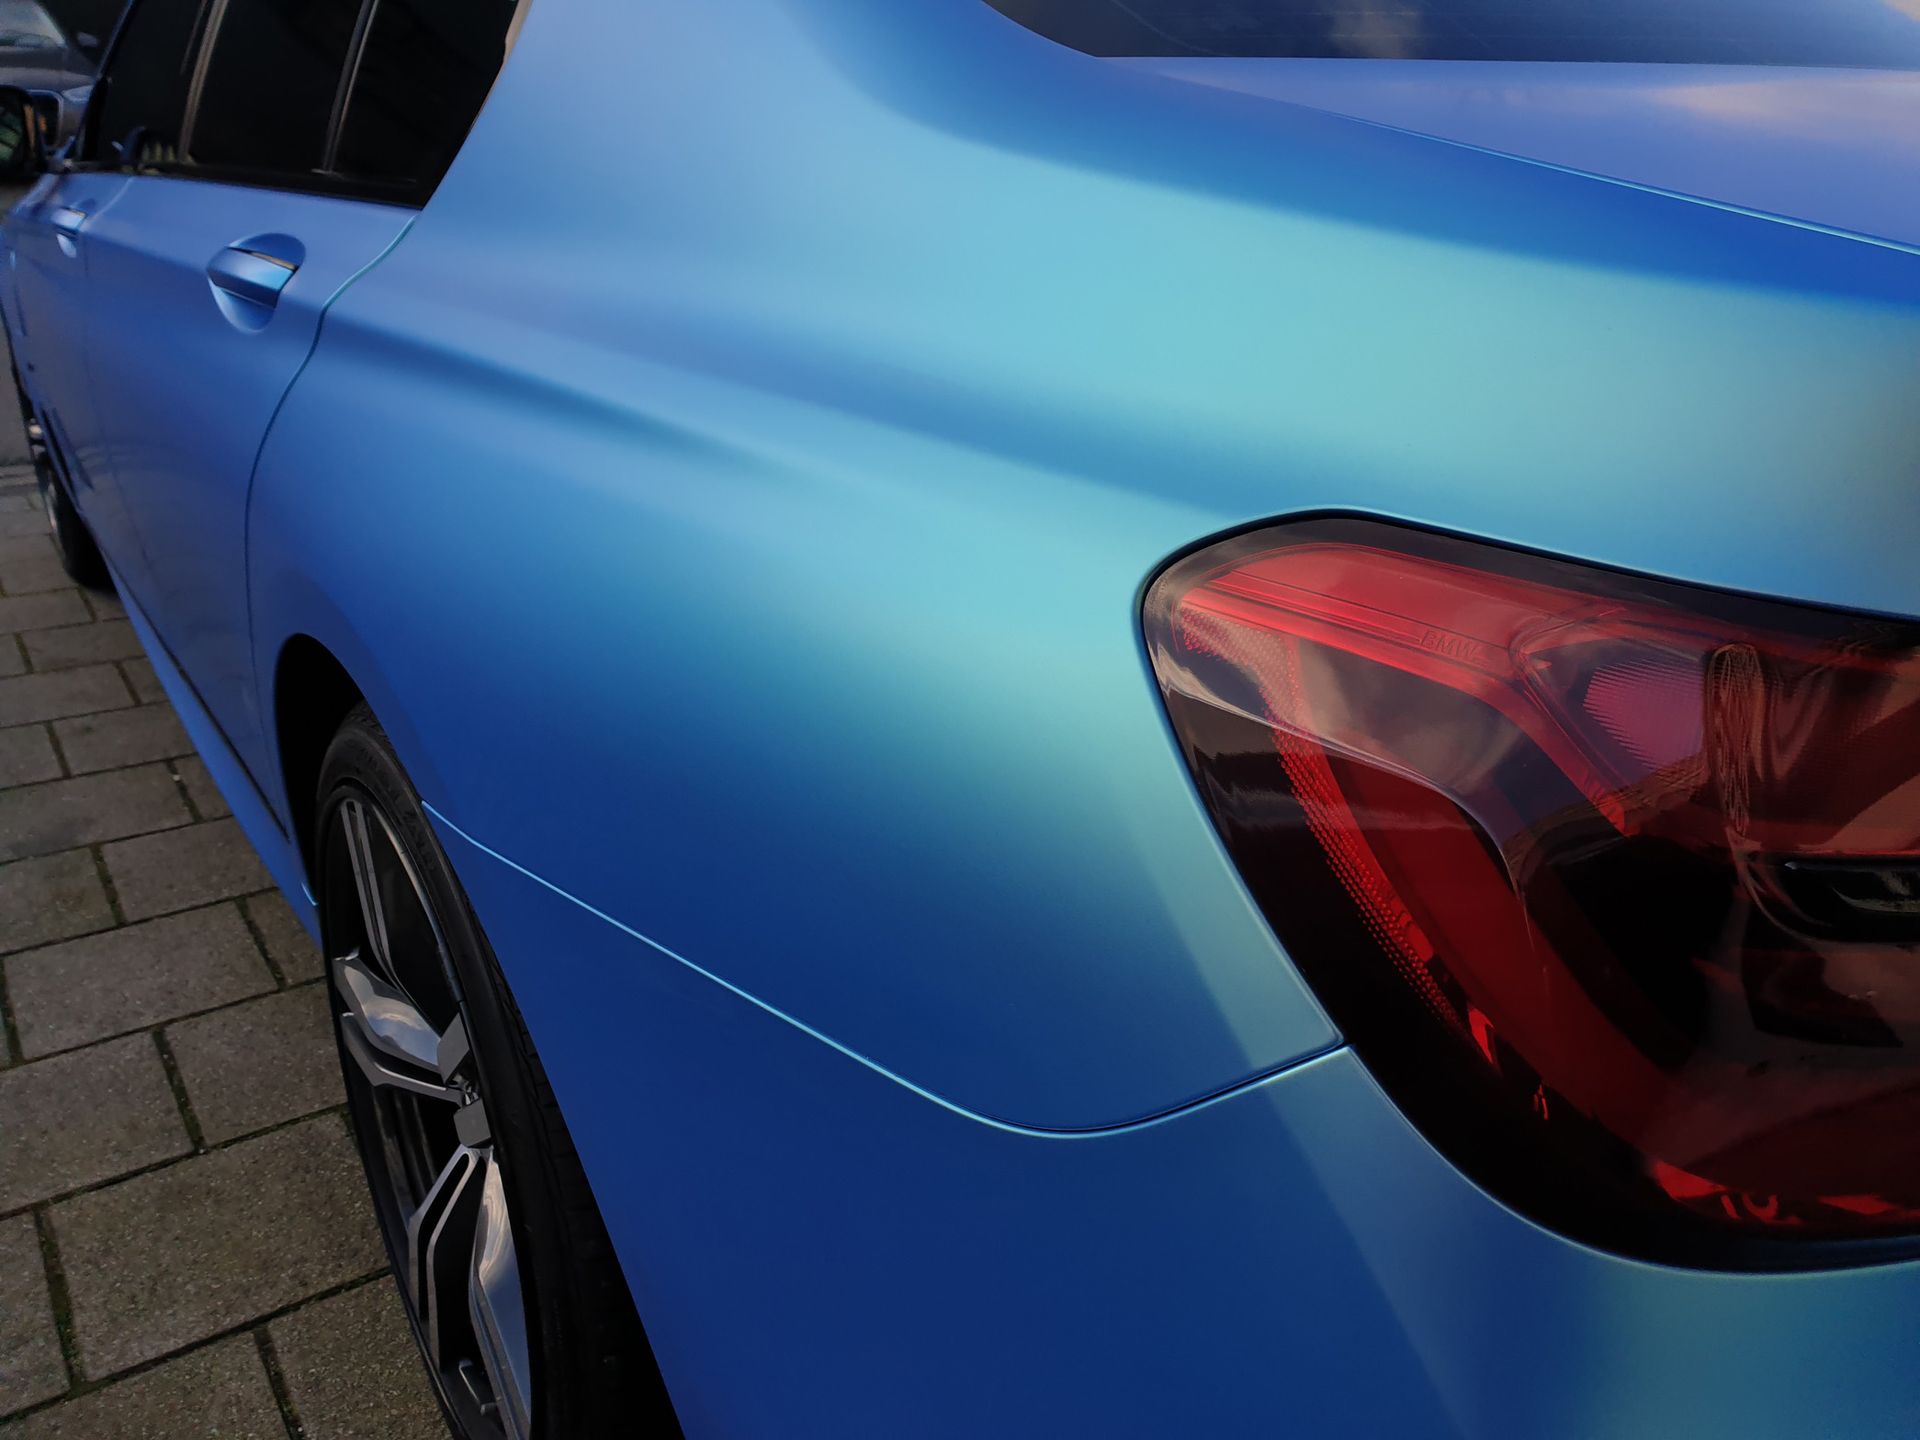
820 1252
736 491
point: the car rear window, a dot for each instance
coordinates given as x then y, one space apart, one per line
424 71
1874 34
267 97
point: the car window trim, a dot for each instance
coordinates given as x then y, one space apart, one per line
216 16
325 186
343 92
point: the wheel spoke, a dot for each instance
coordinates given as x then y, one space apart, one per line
439 1243
366 881
391 1022
387 1038
499 1315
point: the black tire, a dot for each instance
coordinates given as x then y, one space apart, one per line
592 1372
79 556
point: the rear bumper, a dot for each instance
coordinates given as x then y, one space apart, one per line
819 1249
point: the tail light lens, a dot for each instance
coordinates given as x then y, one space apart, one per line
1614 884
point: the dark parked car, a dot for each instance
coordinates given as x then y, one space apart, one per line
55 68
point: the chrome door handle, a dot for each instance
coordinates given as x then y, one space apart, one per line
69 221
249 275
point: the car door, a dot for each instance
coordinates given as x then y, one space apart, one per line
50 289
143 90
207 278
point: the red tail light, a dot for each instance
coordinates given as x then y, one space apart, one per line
1615 884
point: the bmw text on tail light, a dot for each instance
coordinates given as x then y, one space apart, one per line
1615 883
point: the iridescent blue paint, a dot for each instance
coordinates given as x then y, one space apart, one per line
734 493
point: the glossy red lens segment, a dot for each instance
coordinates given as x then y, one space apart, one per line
1628 870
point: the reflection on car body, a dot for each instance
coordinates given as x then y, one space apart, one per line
1194 717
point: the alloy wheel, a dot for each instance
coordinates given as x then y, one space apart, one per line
51 500
57 529
420 1107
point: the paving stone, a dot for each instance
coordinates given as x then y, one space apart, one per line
61 814
34 574
146 685
84 1117
26 699
191 1250
122 737
254 1065
89 644
288 944
352 1371
26 756
51 897
26 547
73 993
219 1393
105 604
31 1369
37 612
200 788
29 565
22 523
13 660
179 868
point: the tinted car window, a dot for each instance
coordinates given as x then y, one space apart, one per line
1866 33
146 80
423 75
266 103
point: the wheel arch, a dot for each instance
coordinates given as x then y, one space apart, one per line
314 669
312 694
321 645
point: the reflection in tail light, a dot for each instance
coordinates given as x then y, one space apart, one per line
1615 884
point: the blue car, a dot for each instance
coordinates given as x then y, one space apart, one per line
1053 717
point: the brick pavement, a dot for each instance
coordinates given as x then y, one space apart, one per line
186 1249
